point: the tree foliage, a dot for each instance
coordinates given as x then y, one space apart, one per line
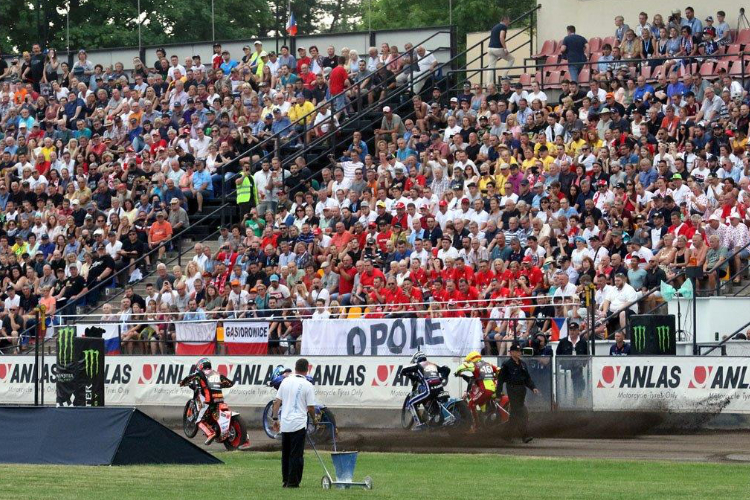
468 15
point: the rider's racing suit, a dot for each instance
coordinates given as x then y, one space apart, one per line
429 378
211 384
483 386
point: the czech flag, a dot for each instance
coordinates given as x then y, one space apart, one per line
291 25
559 328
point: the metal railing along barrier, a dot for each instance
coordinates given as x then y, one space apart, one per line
724 341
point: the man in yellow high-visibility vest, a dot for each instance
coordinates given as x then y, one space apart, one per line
247 193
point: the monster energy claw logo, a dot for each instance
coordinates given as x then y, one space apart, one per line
662 332
65 338
91 362
639 337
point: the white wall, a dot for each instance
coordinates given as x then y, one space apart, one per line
596 17
714 314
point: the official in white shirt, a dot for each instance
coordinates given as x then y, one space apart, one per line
298 396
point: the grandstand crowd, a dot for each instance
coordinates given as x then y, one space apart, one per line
498 201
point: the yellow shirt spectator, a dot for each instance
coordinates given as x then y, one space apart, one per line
573 148
305 110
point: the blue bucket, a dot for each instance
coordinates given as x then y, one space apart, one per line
344 462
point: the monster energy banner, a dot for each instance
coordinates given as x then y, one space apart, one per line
653 334
66 367
80 369
89 353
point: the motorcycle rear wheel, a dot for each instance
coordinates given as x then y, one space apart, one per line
237 433
407 421
190 419
268 421
460 410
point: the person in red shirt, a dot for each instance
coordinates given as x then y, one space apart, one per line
510 274
42 165
417 275
302 59
367 279
484 276
498 291
439 294
462 271
384 235
393 297
307 77
532 272
401 217
413 295
338 81
346 272
468 297
216 59
342 237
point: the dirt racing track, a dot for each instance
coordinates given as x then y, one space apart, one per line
700 447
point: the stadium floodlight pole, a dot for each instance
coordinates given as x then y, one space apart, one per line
67 22
139 28
213 23
450 12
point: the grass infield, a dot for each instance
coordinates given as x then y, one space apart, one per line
395 475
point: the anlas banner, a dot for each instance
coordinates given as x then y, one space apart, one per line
671 384
362 382
391 337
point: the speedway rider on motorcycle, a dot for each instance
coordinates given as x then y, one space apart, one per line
429 377
482 388
211 384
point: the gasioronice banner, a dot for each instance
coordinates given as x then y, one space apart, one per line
671 384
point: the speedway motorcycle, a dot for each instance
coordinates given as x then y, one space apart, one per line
229 427
321 430
439 411
493 413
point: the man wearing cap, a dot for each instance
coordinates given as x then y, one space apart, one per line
159 232
515 374
391 126
574 345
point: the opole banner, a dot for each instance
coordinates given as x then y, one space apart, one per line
391 337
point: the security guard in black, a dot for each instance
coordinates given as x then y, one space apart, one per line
515 374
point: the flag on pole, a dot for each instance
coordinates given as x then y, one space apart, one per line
291 25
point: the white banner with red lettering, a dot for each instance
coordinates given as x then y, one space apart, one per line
671 384
246 337
391 337
359 382
194 339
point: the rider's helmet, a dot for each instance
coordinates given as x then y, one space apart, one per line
203 364
278 371
418 357
472 357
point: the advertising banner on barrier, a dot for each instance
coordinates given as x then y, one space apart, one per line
389 337
363 382
670 383
195 338
246 338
